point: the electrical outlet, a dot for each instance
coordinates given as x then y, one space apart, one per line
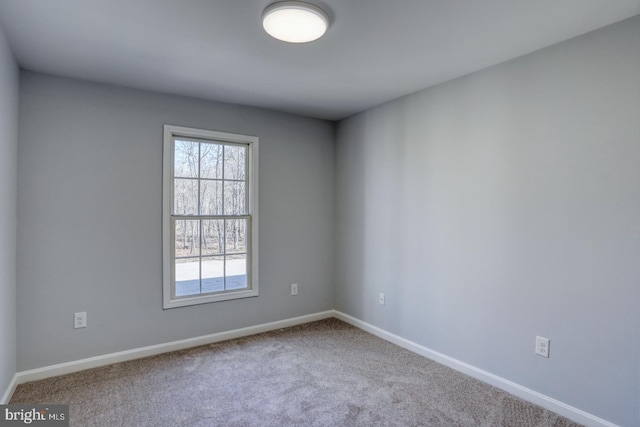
542 346
294 289
381 298
80 320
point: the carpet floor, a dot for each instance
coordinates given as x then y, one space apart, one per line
324 373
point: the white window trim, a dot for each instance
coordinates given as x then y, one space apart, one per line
167 182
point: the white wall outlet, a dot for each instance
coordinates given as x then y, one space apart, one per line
381 298
294 289
80 320
542 346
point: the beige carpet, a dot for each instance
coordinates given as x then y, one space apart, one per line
324 373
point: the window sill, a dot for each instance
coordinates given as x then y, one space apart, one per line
205 299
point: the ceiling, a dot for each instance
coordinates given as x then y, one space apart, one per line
374 50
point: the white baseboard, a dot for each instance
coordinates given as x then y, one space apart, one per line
6 397
524 393
529 395
152 350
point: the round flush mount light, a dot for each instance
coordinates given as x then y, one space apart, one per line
295 21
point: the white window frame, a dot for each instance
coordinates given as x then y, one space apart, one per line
168 255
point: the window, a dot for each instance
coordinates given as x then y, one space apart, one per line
210 227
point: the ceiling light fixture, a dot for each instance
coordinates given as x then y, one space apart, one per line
295 21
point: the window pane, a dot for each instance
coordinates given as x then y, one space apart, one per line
187 237
211 161
234 198
210 197
185 197
212 274
212 237
185 159
234 162
236 235
187 276
236 271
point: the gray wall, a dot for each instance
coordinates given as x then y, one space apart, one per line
8 210
89 209
505 205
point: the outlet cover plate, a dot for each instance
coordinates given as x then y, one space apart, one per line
542 346
80 320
